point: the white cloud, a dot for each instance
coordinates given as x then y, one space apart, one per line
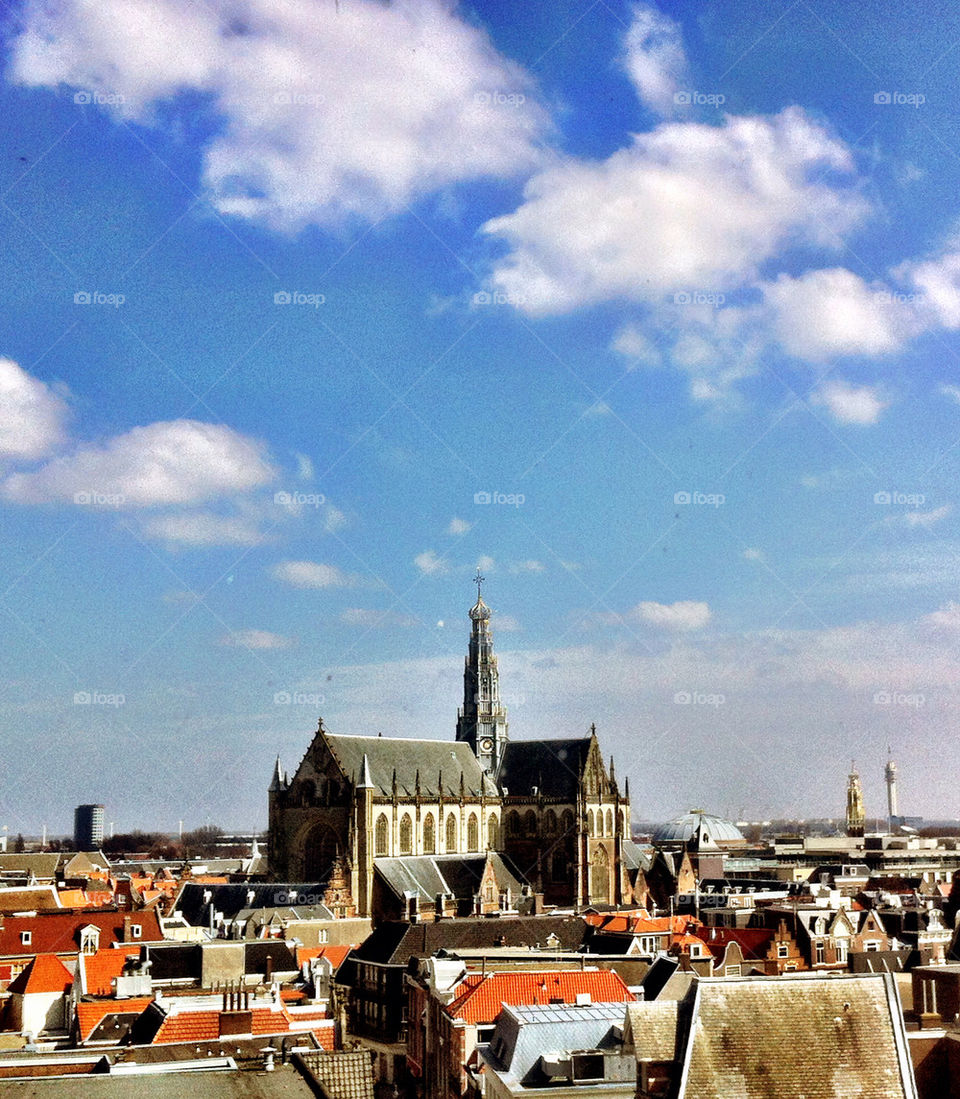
752 554
204 529
32 415
486 564
254 639
927 518
458 526
174 462
655 60
631 342
334 519
328 111
521 568
951 391
946 618
937 282
831 312
688 207
430 564
312 574
370 619
682 616
849 404
304 467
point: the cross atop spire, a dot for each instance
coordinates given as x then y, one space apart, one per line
479 579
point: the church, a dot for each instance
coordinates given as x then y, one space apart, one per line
363 810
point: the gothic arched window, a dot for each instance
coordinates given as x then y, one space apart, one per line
620 824
451 833
383 834
473 833
566 822
550 822
609 822
590 824
530 823
406 835
493 833
429 835
513 823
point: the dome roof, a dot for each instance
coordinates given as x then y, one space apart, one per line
480 611
715 829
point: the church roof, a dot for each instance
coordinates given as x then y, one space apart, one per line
554 766
386 755
428 875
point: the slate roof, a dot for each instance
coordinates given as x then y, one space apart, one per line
29 898
406 756
396 942
347 1075
636 857
46 973
651 1030
554 766
483 997
524 1034
814 1036
428 875
233 899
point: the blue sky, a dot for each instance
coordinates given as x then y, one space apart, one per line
287 286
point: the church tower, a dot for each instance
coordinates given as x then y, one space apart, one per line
856 816
482 720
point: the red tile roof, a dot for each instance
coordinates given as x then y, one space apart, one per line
91 1013
46 973
633 924
754 942
483 997
101 968
189 1026
334 954
58 932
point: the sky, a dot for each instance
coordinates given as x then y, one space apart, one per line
310 308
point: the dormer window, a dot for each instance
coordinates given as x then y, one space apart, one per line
136 930
26 938
89 939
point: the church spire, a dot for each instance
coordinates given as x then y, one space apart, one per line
856 816
482 720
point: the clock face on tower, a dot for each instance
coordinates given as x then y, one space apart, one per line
486 745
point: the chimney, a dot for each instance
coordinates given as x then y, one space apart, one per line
127 933
268 976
